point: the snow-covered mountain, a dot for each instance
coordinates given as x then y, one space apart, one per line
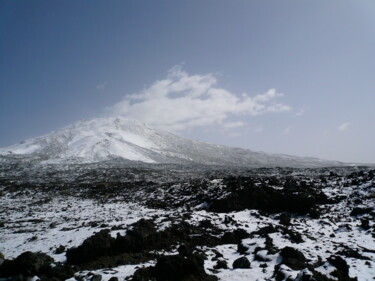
104 139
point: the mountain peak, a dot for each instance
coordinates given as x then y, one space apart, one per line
106 139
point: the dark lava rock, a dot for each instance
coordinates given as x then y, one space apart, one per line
205 223
315 213
235 236
113 279
242 249
270 247
221 264
341 272
360 211
28 264
293 258
217 255
352 253
365 223
305 276
185 250
100 244
284 219
143 234
175 268
102 250
96 277
263 231
241 262
259 257
339 263
246 195
282 275
60 250
294 236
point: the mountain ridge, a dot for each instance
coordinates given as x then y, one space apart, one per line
106 139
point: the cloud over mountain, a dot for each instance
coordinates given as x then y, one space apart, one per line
182 101
343 126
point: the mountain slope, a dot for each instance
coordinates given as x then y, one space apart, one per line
104 139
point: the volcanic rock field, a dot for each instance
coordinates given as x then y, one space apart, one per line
179 224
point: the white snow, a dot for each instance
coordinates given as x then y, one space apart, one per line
102 139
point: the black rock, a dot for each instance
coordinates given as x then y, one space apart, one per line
27 264
242 249
305 276
360 211
217 254
221 264
284 219
96 277
247 195
176 268
294 236
205 223
235 236
352 253
339 263
314 213
185 251
293 258
281 275
365 223
60 250
98 245
241 262
113 279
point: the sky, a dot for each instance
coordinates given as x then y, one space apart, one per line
293 77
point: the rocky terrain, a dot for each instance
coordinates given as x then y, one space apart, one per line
114 222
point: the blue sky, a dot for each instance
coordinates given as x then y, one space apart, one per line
295 77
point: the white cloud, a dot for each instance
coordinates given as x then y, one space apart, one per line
258 129
182 101
235 135
267 96
233 125
287 130
102 85
343 126
300 112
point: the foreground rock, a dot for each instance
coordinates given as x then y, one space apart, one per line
293 258
30 264
330 238
136 246
175 268
241 262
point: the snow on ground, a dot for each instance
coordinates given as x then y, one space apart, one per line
43 224
43 221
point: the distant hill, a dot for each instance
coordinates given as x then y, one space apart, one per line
118 138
